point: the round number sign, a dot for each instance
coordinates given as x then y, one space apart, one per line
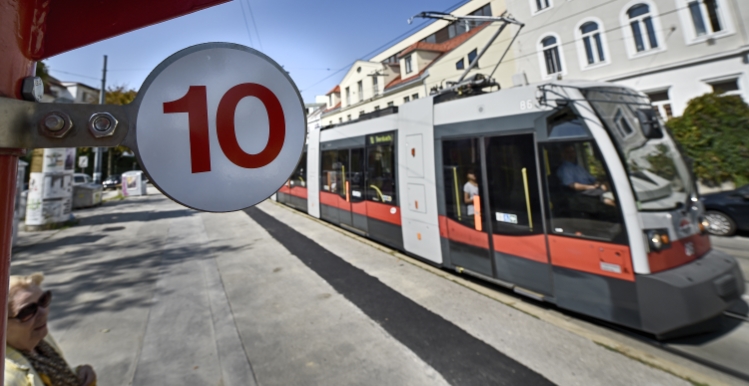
220 127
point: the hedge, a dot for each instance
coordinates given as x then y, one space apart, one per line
714 132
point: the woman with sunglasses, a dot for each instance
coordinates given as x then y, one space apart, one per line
32 358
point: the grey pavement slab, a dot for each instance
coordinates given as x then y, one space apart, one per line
562 357
297 330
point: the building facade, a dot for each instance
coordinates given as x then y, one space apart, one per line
423 63
673 50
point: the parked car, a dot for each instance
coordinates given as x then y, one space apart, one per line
112 182
81 178
727 212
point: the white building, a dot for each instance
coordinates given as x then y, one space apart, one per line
673 50
422 63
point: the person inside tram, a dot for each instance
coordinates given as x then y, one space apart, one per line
578 179
32 357
470 190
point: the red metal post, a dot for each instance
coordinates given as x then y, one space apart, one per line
14 67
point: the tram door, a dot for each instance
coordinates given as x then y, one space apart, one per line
466 225
350 168
513 204
494 220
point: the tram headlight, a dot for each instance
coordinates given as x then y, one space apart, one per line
704 225
658 239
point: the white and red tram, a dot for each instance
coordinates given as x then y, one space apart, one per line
578 197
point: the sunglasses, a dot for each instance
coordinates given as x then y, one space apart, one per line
29 311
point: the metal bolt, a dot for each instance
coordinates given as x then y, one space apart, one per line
102 124
54 122
32 89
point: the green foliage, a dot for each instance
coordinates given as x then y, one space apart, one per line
714 132
119 95
42 71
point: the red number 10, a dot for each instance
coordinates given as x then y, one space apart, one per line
195 104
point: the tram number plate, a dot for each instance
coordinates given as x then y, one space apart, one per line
611 267
506 217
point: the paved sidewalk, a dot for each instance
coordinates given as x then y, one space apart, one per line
152 293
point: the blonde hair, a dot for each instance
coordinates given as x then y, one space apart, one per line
19 282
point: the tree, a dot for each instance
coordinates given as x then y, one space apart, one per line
117 95
714 132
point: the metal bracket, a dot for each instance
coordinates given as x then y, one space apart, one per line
26 124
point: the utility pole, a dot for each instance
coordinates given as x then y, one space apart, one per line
97 150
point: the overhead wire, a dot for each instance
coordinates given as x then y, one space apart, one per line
247 26
536 52
254 25
72 73
391 41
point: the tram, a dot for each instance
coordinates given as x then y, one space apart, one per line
572 193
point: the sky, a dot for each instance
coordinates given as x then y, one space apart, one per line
315 41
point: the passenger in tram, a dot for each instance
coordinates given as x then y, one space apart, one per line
470 190
580 180
32 358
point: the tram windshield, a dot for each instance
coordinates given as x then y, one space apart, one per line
657 171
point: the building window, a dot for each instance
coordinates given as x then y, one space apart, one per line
391 60
592 43
460 65
643 31
552 60
348 96
407 61
414 97
361 113
330 100
340 119
390 104
705 16
406 99
348 117
375 86
661 102
540 5
361 90
377 107
472 56
729 86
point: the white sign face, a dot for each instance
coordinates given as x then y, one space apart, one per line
83 161
220 127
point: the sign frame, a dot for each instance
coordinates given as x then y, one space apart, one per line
135 106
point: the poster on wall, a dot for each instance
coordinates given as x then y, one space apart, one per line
70 159
34 200
54 160
57 185
52 210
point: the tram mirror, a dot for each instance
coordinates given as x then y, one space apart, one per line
651 126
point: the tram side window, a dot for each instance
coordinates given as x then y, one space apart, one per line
299 177
381 177
582 202
329 175
462 176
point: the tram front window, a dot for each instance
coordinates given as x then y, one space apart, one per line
582 202
657 171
